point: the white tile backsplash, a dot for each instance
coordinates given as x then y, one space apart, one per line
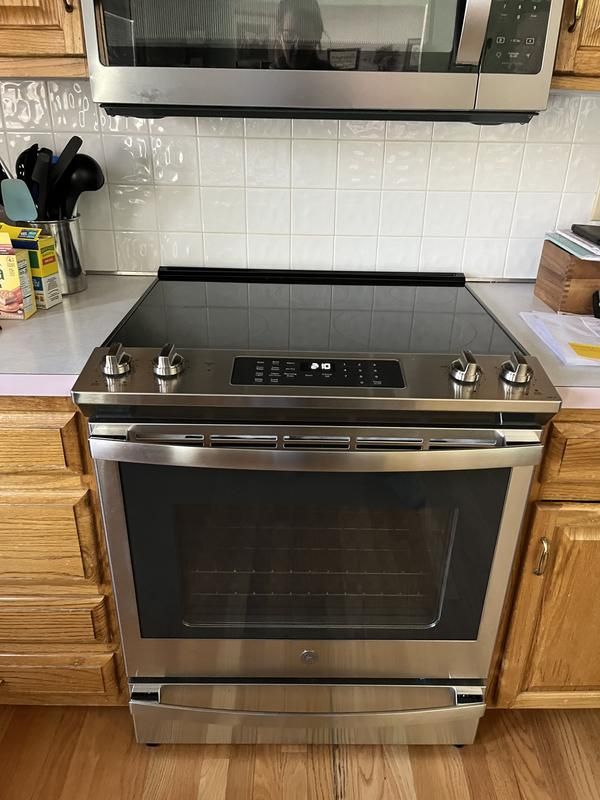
318 194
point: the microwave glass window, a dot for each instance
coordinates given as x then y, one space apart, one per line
363 35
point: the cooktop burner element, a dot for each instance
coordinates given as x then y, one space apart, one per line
385 342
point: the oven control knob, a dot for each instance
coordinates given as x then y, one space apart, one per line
465 369
168 363
116 362
516 370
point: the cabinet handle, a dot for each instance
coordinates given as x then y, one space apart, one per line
577 12
69 7
543 557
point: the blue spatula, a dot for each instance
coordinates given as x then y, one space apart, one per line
17 200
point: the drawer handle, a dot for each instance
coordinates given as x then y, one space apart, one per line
69 7
543 557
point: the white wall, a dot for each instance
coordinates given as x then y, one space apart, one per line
318 194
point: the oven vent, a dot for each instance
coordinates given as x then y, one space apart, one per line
462 444
316 442
238 441
388 443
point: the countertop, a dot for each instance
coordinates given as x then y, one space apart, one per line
579 387
44 354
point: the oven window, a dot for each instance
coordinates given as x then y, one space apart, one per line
227 553
342 35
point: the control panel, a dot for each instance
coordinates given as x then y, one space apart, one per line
382 373
516 36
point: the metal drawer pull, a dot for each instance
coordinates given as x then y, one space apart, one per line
543 557
69 7
577 12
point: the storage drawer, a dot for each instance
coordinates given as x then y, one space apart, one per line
47 535
571 468
37 441
58 678
59 620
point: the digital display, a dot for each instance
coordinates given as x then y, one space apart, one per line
317 366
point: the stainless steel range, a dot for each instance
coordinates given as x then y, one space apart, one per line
312 502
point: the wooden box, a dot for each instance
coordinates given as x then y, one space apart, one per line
565 282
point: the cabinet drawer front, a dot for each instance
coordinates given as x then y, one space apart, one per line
38 441
56 620
46 535
25 678
571 468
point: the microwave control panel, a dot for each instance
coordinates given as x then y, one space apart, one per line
516 36
321 372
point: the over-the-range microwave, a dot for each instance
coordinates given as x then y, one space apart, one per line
479 60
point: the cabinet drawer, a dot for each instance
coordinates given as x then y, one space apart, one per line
571 468
56 620
38 441
50 678
47 535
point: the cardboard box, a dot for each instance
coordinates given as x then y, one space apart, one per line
41 250
17 300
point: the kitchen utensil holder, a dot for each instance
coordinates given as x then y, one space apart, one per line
69 253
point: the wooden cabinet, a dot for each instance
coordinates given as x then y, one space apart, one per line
551 654
59 640
41 38
577 63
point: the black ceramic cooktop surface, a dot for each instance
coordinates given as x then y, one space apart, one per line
243 311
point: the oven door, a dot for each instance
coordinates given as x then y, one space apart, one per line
286 54
259 551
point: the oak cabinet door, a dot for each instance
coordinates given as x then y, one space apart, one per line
579 49
48 28
552 658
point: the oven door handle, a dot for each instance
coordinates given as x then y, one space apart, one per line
172 455
277 719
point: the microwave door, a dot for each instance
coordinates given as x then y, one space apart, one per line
518 62
304 56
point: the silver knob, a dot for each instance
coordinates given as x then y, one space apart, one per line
516 370
465 369
168 363
116 362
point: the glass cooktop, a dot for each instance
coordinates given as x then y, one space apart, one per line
311 317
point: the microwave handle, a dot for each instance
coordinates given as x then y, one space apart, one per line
474 28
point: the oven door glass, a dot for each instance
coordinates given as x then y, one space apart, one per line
339 35
268 554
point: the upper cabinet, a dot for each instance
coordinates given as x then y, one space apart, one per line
41 38
578 57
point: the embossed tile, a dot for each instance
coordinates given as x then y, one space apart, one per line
484 258
128 159
72 106
491 213
557 123
535 214
137 251
182 249
362 129
99 252
360 165
94 209
110 124
452 165
417 131
314 164
224 210
355 252
268 128
583 173
446 213
312 252
498 166
588 122
220 126
544 167
133 208
575 207
221 161
398 252
313 211
175 160
268 162
357 212
225 250
402 213
178 208
315 128
441 254
268 210
173 126
455 132
268 251
25 105
93 145
523 258
406 165
17 142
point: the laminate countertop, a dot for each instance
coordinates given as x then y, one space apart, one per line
579 387
43 355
